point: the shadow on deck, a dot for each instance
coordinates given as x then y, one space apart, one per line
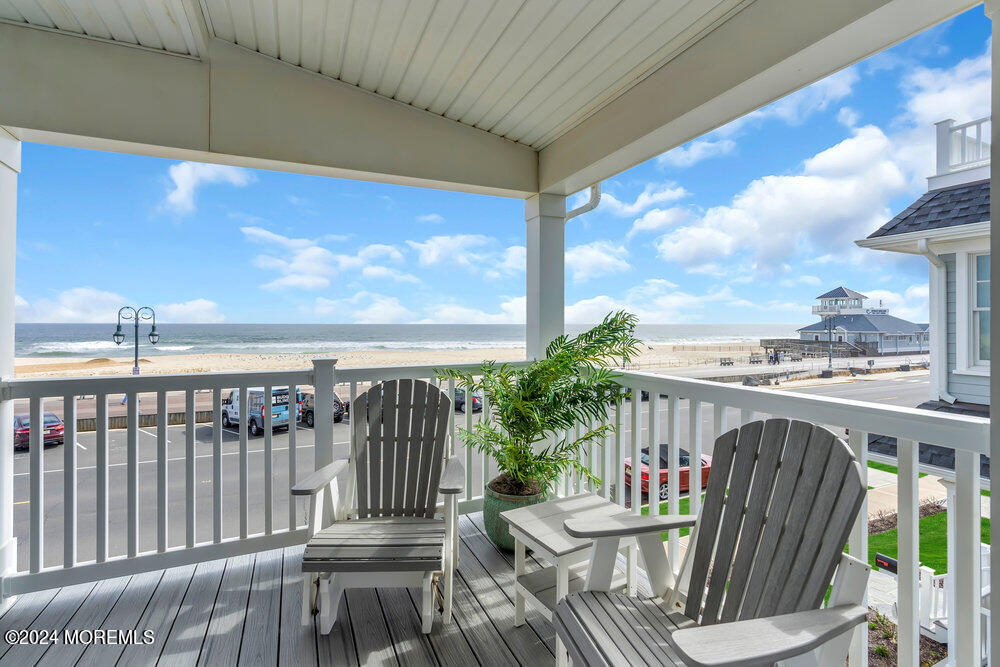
246 610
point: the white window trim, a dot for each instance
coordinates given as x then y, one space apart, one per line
965 343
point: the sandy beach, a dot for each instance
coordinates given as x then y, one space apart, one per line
662 356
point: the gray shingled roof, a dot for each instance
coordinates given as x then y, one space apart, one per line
869 323
842 293
948 207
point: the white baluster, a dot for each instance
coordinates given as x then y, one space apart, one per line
293 428
69 481
132 473
858 543
908 550
101 445
161 471
36 528
244 460
268 451
216 464
694 449
653 441
674 476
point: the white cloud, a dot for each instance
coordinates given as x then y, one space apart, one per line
305 264
911 305
476 253
514 260
79 304
595 259
848 117
657 219
812 281
430 217
385 273
187 177
461 249
696 151
512 311
364 308
841 194
654 193
196 310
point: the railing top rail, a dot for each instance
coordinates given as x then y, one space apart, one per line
971 123
118 384
948 430
372 373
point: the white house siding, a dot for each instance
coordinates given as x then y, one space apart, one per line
968 388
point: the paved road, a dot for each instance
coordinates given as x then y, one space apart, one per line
906 391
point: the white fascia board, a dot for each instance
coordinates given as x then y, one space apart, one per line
969 237
770 49
240 107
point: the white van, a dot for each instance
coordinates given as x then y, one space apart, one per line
255 409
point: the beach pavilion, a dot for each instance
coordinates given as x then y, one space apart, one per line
535 100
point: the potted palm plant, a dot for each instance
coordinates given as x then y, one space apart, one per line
533 409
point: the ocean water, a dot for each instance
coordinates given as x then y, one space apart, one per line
94 340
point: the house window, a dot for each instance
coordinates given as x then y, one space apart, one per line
981 309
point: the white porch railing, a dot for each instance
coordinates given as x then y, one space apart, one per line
963 146
711 408
144 506
732 405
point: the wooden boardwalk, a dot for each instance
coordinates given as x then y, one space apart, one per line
246 610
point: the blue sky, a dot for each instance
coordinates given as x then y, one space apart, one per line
747 224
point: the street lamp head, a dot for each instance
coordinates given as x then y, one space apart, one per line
119 336
153 336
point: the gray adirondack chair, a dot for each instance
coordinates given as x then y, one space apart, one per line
387 532
781 499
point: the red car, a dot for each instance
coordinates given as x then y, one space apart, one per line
52 430
685 470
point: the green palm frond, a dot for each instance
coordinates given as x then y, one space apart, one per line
533 406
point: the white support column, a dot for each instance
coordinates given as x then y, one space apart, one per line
992 7
546 275
10 166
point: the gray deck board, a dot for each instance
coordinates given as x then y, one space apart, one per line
225 630
183 644
161 612
260 647
124 616
297 642
247 610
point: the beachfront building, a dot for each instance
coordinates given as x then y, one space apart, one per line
950 226
534 101
869 329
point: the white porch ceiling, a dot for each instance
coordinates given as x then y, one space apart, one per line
526 70
155 24
508 97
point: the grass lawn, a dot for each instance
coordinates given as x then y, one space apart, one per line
684 507
933 542
885 467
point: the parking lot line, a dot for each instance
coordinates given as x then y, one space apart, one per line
182 458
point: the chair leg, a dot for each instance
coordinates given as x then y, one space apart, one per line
308 581
449 587
331 590
427 604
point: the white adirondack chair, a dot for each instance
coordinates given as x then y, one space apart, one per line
387 533
781 499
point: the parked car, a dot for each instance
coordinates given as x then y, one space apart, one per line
685 470
255 409
52 430
309 405
477 401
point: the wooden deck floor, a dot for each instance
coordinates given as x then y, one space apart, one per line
246 610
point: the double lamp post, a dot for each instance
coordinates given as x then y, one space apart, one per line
136 314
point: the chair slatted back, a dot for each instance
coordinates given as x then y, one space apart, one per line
781 499
398 435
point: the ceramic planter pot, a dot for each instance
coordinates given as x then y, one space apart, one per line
493 504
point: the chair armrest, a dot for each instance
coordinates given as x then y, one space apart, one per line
624 525
317 480
453 477
764 641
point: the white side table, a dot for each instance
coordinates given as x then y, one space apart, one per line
540 528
